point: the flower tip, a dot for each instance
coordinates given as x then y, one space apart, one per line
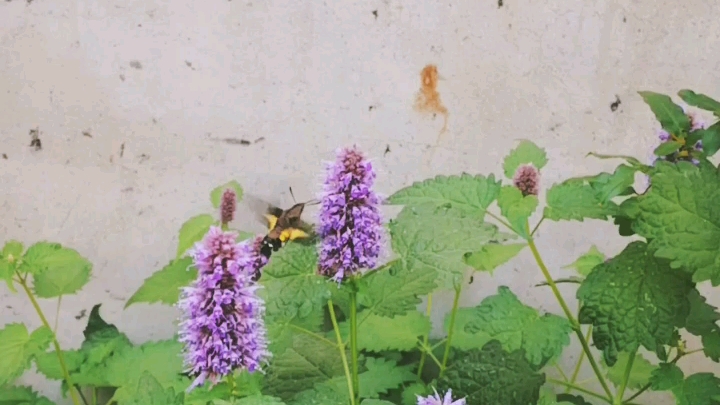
527 179
228 205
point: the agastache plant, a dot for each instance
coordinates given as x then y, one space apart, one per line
350 225
222 326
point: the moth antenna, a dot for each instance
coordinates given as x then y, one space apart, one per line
313 202
292 195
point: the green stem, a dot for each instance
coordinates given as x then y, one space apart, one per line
353 339
341 347
628 368
502 221
231 384
573 322
428 350
94 396
313 334
647 386
537 226
61 358
451 328
579 389
57 314
576 371
425 338
562 373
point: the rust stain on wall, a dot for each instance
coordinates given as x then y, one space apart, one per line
428 99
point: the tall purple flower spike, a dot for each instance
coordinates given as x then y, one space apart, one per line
222 325
228 204
350 225
437 400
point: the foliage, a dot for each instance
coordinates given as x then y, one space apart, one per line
366 341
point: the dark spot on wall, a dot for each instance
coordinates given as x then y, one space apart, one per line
370 108
87 134
615 104
144 158
4 155
387 150
624 19
122 78
81 315
262 138
500 3
189 64
135 64
35 141
122 149
375 13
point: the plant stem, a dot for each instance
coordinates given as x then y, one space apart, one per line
353 339
621 390
425 338
647 386
341 347
451 327
313 334
537 226
573 322
576 371
57 314
61 358
502 221
428 350
580 389
562 373
94 396
231 384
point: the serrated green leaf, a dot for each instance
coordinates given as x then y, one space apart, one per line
7 271
462 339
161 359
56 270
375 402
711 345
293 291
573 199
517 326
307 362
150 391
671 116
395 290
478 375
632 300
572 399
18 347
164 285
412 391
525 152
12 250
381 376
257 399
380 333
48 364
19 395
489 257
700 101
217 192
517 208
639 375
702 318
471 195
192 231
697 389
667 148
586 262
608 186
429 238
679 216
711 139
322 394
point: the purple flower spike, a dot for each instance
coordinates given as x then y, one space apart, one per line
350 224
222 325
228 205
436 400
527 180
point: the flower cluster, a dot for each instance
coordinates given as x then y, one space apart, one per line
527 180
222 325
437 400
665 136
228 204
350 224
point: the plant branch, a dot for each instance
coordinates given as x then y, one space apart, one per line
451 329
576 371
313 334
502 221
562 373
341 347
573 322
57 315
425 338
537 226
647 386
353 339
428 350
626 376
58 351
579 389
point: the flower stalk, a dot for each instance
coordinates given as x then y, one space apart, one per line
341 347
451 326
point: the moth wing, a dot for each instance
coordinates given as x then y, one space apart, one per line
263 210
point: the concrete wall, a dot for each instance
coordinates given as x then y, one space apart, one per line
135 101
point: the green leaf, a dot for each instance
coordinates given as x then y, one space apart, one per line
380 333
700 101
47 363
632 300
435 239
375 402
217 192
19 395
160 359
309 361
18 347
395 290
466 193
293 291
679 216
526 152
639 375
56 270
193 230
667 148
7 271
257 399
462 339
381 376
492 376
516 208
671 116
12 250
323 394
164 285
585 263
517 326
698 389
411 392
608 186
150 391
702 318
489 257
572 399
711 139
573 199
711 345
